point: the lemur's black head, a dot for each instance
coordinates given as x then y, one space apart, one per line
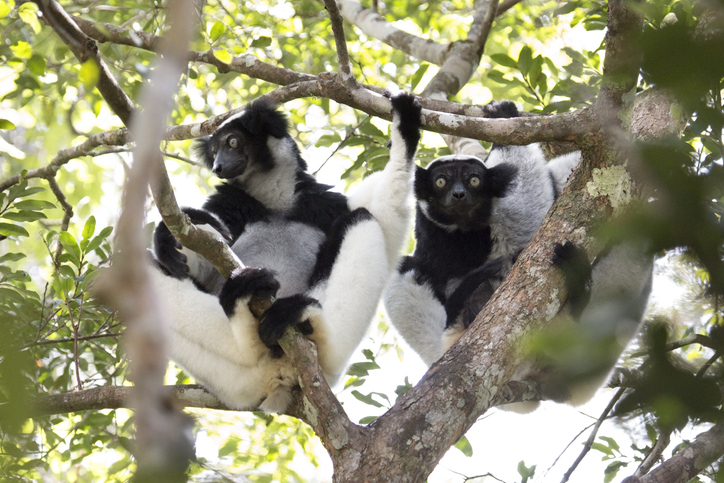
257 138
457 191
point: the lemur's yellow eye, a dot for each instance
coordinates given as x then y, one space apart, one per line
233 142
440 182
474 181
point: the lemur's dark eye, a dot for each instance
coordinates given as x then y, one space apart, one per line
233 142
474 181
440 182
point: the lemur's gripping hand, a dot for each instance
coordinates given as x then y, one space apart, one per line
245 284
406 120
286 312
573 261
501 110
166 247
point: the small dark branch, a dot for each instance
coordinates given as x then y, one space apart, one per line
318 405
108 138
84 48
688 340
654 455
181 158
506 5
339 40
705 367
65 341
623 60
67 210
115 397
690 460
245 64
485 13
106 32
592 437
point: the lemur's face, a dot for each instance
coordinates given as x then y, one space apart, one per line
458 192
230 151
241 144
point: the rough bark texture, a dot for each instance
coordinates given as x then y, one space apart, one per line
690 460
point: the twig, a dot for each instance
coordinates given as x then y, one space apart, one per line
84 49
589 443
339 40
67 210
662 442
63 341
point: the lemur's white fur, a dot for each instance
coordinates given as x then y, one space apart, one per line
225 353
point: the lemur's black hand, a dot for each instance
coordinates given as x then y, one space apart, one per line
166 249
285 312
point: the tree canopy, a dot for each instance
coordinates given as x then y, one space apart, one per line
88 92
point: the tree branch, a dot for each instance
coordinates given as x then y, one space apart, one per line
690 460
317 405
373 25
118 137
84 48
339 40
622 62
115 397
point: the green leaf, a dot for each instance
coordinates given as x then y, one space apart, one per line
12 257
36 64
34 205
367 419
498 77
505 60
30 191
5 124
71 246
417 76
22 50
371 130
602 448
24 215
7 229
217 30
361 369
525 472
327 140
651 433
525 59
7 294
367 399
611 443
89 228
89 73
464 446
105 232
4 9
261 42
223 55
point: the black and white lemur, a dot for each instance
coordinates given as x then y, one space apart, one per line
326 257
472 220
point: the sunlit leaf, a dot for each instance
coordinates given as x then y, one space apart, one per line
89 73
7 229
464 446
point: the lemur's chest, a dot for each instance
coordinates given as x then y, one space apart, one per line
288 248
